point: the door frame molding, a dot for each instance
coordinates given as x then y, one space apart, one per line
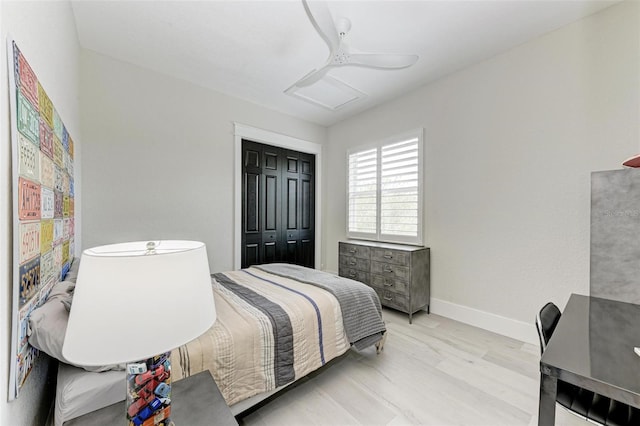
244 131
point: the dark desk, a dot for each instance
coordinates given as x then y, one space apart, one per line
195 401
592 347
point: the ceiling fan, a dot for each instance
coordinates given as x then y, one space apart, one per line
339 52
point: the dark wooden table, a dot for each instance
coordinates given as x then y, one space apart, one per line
195 401
592 347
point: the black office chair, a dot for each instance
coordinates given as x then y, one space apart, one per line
582 402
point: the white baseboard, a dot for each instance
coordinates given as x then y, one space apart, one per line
509 327
519 330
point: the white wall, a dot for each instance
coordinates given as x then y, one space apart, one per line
510 144
46 34
158 156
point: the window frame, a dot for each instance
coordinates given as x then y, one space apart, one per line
378 145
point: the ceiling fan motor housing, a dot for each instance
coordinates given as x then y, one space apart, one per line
341 57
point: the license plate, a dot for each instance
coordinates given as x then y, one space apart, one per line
72 249
65 252
71 188
65 206
57 260
65 161
23 315
57 204
46 138
46 106
47 171
71 147
69 166
47 270
72 206
28 120
58 150
46 236
28 80
66 228
65 183
72 227
59 184
65 138
28 200
29 159
29 279
29 241
26 357
57 125
48 203
58 230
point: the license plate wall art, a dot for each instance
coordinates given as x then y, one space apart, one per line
43 205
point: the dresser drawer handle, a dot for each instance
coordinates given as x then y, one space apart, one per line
387 269
388 255
388 284
352 263
388 298
353 250
352 273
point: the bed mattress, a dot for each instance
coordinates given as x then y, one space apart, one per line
79 391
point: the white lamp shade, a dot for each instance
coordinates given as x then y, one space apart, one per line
130 304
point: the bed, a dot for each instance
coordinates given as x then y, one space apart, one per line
275 324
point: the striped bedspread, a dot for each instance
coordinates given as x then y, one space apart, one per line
270 330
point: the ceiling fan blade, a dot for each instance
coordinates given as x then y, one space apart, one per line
312 77
380 60
322 21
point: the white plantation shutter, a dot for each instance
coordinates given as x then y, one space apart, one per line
399 189
385 190
363 192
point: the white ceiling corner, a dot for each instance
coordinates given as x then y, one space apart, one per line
255 50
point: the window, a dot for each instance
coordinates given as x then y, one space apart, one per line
385 190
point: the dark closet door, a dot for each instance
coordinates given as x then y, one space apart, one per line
270 207
251 202
277 205
305 202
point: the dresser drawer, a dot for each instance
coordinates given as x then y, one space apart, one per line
387 283
389 270
354 250
354 274
354 263
391 256
394 300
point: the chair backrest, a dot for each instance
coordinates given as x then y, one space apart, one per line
546 322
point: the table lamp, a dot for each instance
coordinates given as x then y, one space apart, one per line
133 303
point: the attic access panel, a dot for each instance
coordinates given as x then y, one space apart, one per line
328 92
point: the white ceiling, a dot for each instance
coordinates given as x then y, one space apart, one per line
254 50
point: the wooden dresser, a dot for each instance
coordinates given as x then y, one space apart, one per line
398 273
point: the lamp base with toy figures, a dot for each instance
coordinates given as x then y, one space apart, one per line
149 392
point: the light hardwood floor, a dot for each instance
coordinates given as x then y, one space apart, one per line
435 371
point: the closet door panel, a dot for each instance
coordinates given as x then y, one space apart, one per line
251 240
277 205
